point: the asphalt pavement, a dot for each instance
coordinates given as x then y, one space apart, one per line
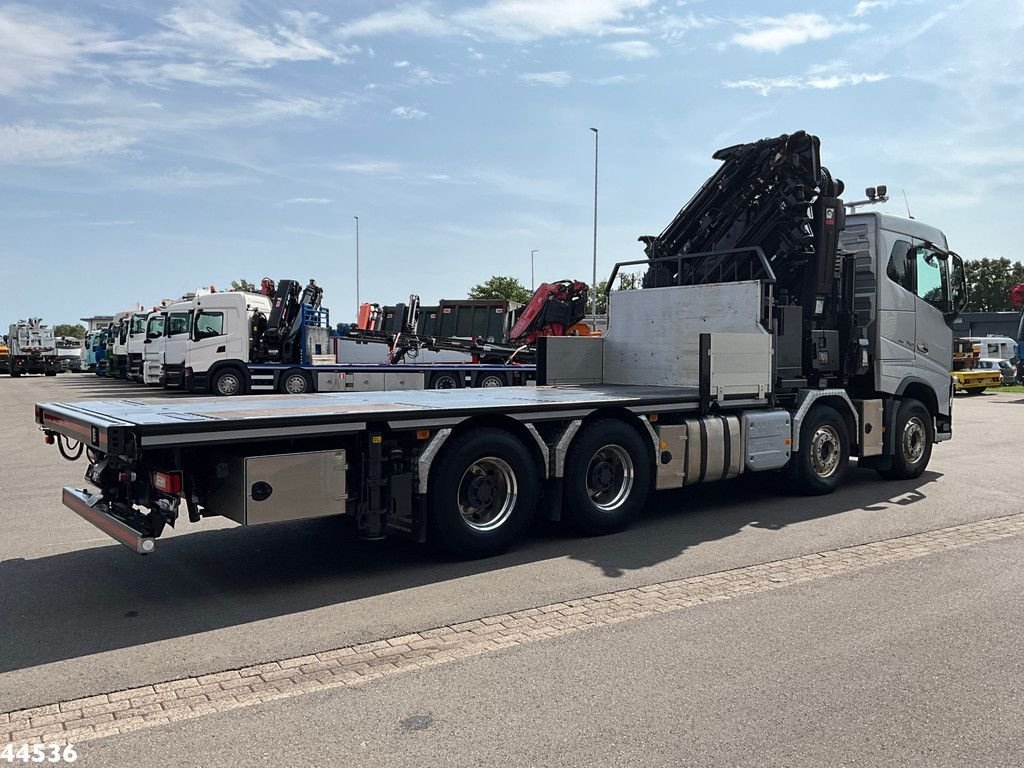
911 663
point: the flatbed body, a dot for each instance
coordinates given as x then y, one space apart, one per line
117 425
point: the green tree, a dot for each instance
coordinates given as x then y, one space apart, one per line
989 282
499 287
76 330
244 285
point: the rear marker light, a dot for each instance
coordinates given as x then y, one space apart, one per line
167 482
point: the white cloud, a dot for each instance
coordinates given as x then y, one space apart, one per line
370 167
186 178
110 223
36 47
401 64
865 7
307 201
405 19
556 79
28 143
774 34
633 49
518 20
821 82
202 31
534 19
408 113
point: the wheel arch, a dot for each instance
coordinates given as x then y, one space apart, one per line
920 390
637 423
839 401
531 439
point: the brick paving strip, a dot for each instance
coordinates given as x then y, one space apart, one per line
112 713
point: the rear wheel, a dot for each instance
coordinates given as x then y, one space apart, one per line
607 477
974 390
913 436
483 491
295 382
818 467
228 382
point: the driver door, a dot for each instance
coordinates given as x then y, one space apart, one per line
933 342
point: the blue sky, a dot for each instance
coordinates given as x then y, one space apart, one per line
147 149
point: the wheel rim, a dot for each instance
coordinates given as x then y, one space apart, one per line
914 438
487 494
228 384
295 385
445 382
610 477
825 451
492 381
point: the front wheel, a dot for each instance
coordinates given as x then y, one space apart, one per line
483 490
228 382
913 436
607 477
824 455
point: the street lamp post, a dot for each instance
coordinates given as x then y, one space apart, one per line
357 264
533 282
594 301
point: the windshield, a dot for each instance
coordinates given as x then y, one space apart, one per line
177 322
138 324
155 329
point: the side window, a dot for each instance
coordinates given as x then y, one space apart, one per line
901 267
208 324
931 277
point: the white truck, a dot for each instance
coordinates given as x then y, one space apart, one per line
135 344
249 343
69 354
166 337
32 348
767 337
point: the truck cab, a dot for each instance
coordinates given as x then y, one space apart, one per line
134 344
118 364
217 352
909 288
153 346
165 359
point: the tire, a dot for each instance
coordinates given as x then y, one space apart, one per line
15 374
483 491
228 382
49 373
445 381
295 382
974 391
824 455
607 477
914 434
491 380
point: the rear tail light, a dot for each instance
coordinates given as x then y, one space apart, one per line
167 482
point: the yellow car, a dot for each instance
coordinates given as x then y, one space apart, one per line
975 381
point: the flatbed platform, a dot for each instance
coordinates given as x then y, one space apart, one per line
107 424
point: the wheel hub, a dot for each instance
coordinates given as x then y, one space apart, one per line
481 491
602 475
913 440
825 451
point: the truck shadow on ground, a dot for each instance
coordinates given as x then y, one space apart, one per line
105 598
